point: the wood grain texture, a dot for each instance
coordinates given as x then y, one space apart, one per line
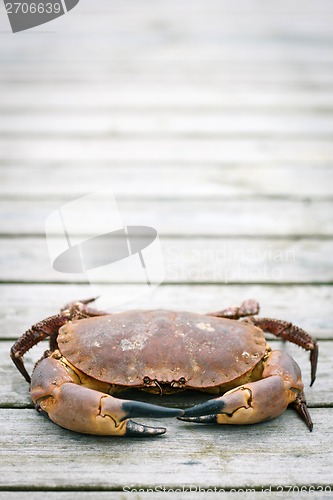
308 306
169 123
226 217
188 98
177 458
200 180
14 391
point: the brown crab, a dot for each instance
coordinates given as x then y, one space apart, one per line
94 354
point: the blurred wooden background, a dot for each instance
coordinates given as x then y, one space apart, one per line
210 121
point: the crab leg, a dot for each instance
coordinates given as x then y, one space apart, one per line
279 328
247 308
85 410
38 332
257 401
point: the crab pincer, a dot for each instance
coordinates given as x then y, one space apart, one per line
55 392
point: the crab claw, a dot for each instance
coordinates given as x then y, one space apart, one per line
139 409
82 409
138 430
206 419
260 400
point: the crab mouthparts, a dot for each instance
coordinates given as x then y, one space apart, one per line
163 387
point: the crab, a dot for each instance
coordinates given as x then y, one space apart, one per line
94 355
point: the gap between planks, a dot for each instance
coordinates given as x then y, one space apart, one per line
308 306
230 218
177 458
215 260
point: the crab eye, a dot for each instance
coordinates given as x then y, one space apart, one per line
182 380
146 380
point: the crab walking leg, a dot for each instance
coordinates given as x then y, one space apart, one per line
292 333
80 409
78 309
49 327
38 332
253 402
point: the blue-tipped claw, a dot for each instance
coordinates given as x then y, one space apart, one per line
208 408
140 409
206 419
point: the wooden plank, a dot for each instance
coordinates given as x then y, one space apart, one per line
307 306
174 61
246 152
178 13
231 123
98 462
177 70
241 217
171 180
267 74
177 66
14 391
70 73
222 22
166 124
158 97
216 260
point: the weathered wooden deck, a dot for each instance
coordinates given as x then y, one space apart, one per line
211 121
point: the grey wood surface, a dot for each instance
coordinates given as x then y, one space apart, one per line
202 260
211 121
218 218
306 304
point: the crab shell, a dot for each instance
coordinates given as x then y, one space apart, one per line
159 349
